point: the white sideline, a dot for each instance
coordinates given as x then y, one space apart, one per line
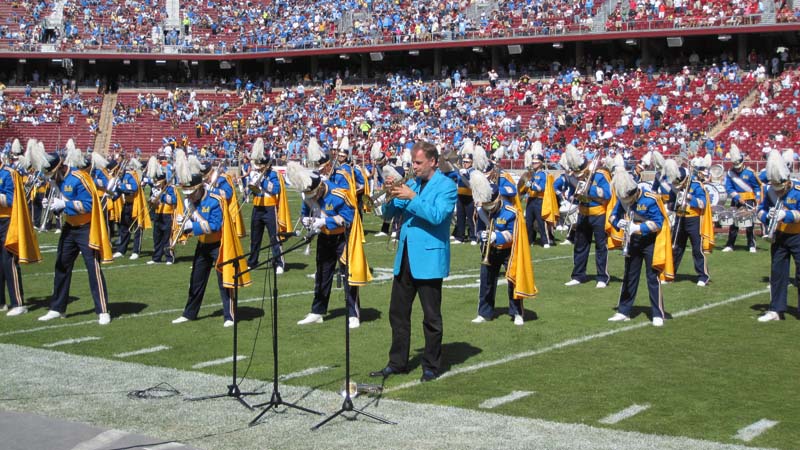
626 413
752 431
165 446
492 403
303 373
143 351
71 341
101 440
580 340
217 362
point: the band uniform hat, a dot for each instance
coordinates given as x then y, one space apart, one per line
187 175
303 180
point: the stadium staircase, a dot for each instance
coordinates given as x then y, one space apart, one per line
480 8
104 129
599 20
747 102
768 17
173 19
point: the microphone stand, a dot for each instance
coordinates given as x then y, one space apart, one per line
276 399
347 405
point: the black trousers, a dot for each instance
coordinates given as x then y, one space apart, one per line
205 259
162 230
71 241
689 229
640 251
329 250
465 218
404 289
733 230
264 217
10 274
535 222
586 228
125 223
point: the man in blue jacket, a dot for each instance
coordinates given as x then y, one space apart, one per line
424 206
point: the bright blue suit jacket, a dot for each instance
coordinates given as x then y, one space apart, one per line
425 227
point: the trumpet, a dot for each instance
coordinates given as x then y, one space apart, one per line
626 236
52 194
582 189
769 236
488 246
188 211
680 206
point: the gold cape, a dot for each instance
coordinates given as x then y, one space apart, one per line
520 265
98 230
20 238
230 247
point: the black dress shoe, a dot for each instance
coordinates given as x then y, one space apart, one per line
427 375
385 372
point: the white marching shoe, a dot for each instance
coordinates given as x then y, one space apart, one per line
227 323
572 283
727 249
279 270
619 317
180 319
769 316
51 315
479 319
353 322
17 310
701 283
134 256
104 318
546 246
566 242
117 255
658 321
518 320
601 285
311 318
752 249
381 234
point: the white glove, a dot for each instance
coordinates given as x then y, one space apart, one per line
486 236
622 224
780 215
58 204
154 194
339 220
318 224
633 228
307 221
188 226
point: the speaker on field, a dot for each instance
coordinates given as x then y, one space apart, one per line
675 41
514 49
376 56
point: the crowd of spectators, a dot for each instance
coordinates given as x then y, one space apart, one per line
124 26
20 23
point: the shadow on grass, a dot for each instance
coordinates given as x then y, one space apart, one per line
243 313
764 307
453 354
121 308
527 315
365 314
636 311
34 303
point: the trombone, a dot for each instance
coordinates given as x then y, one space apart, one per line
177 231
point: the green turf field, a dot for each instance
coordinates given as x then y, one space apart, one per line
709 372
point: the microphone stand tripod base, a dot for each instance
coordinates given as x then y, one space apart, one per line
347 406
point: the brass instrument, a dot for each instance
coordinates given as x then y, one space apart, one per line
626 235
32 182
680 206
177 231
255 178
769 236
582 189
488 246
52 194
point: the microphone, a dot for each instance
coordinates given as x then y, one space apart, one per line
288 234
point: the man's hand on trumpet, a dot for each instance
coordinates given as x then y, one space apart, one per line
315 224
57 204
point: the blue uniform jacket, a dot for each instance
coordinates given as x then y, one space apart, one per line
6 187
791 203
749 178
646 211
599 189
504 221
78 199
210 211
426 227
223 188
333 204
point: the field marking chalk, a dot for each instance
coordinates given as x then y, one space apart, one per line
303 373
143 351
498 401
752 431
102 440
217 362
71 341
164 446
575 341
626 413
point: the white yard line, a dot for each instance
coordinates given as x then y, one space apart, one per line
624 414
143 351
71 341
498 401
101 441
303 373
752 431
575 341
217 362
165 446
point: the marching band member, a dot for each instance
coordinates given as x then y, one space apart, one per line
693 216
341 174
504 243
39 187
103 173
19 242
269 203
564 187
206 216
84 231
465 207
222 184
592 199
535 188
780 210
642 217
744 190
163 200
329 213
135 214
